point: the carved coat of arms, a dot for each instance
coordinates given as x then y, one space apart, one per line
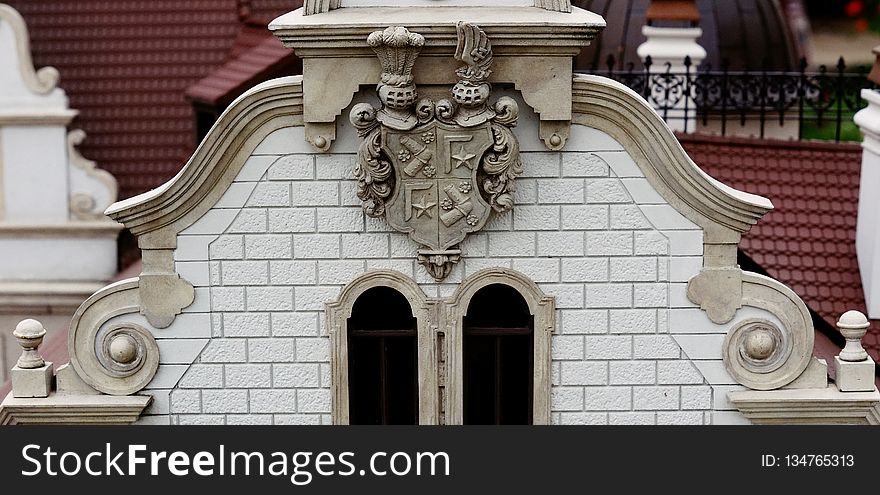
436 170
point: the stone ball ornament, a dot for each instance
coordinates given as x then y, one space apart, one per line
757 354
29 334
124 359
853 325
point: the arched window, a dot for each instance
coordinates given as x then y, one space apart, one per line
498 349
382 359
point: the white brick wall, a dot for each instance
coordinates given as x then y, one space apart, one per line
610 250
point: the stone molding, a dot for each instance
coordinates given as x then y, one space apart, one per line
808 406
542 308
312 7
424 309
41 82
61 409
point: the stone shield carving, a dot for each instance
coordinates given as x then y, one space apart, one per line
436 170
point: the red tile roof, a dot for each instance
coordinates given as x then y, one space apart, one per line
808 240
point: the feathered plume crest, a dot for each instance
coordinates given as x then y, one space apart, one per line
397 49
475 50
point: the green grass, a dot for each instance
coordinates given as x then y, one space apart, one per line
849 131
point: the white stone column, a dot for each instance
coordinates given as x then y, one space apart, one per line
668 48
867 229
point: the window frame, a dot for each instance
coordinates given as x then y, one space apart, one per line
543 310
424 310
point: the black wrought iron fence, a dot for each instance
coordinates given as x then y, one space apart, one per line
817 104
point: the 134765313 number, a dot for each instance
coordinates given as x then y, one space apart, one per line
818 460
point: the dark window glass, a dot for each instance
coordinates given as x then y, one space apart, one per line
382 360
498 363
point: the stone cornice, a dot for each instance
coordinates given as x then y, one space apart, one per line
808 406
73 409
37 116
610 106
85 228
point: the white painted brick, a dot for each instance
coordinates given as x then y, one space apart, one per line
212 222
284 141
192 247
621 163
248 375
655 347
475 245
685 242
289 272
339 272
526 191
316 246
295 375
473 265
583 418
720 401
201 301
584 373
680 418
224 401
404 266
335 166
187 326
607 398
561 191
325 374
665 217
608 347
291 220
161 403
225 351
567 347
292 167
295 324
314 298
255 167
236 195
269 298
227 298
538 217
682 269
402 246
729 418
503 244
701 346
567 399
499 221
692 320
278 350
343 219
216 324
631 418
245 272
678 296
186 401
651 243
678 373
227 247
202 376
608 295
662 320
628 217
348 193
583 165
538 269
249 419
585 217
179 351
273 401
696 397
246 324
365 246
248 220
197 273
641 191
584 321
606 191
540 164
560 244
585 138
297 419
312 350
650 295
568 296
714 372
313 400
655 398
267 246
632 372
201 419
625 321
314 193
615 243
585 269
376 224
633 269
270 194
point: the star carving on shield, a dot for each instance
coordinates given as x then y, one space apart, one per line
436 170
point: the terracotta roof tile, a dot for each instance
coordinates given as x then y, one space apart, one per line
808 240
